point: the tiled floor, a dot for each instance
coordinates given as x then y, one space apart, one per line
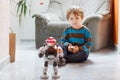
102 65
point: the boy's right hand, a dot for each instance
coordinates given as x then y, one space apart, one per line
70 48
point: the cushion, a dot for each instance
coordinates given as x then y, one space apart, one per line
51 16
56 27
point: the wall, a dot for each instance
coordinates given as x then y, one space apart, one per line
4 31
27 29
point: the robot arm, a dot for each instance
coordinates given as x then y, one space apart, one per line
60 51
41 51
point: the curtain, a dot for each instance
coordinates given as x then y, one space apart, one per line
114 22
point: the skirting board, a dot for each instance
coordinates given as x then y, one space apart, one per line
4 62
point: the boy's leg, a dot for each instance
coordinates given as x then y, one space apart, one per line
78 57
61 62
65 51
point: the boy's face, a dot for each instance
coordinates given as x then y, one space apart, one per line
75 21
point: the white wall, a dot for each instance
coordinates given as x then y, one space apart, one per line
4 29
27 30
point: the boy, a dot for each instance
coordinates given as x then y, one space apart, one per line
76 39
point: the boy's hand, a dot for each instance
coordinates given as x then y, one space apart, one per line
75 49
70 48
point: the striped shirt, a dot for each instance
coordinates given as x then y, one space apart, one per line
80 37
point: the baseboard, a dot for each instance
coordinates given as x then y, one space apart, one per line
28 40
4 62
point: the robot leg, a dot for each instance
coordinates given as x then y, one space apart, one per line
44 74
55 75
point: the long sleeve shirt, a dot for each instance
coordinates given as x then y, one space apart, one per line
81 36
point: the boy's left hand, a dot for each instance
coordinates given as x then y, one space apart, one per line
75 49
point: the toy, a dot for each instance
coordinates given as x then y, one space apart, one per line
53 55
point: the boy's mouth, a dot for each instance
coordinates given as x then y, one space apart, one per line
75 23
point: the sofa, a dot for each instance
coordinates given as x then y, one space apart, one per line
53 21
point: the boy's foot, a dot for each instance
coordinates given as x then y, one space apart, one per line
62 63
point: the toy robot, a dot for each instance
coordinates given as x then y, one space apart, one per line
53 55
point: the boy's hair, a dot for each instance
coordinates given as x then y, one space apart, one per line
76 10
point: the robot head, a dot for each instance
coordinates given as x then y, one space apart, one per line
50 41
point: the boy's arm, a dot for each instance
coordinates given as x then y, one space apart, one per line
63 39
88 41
